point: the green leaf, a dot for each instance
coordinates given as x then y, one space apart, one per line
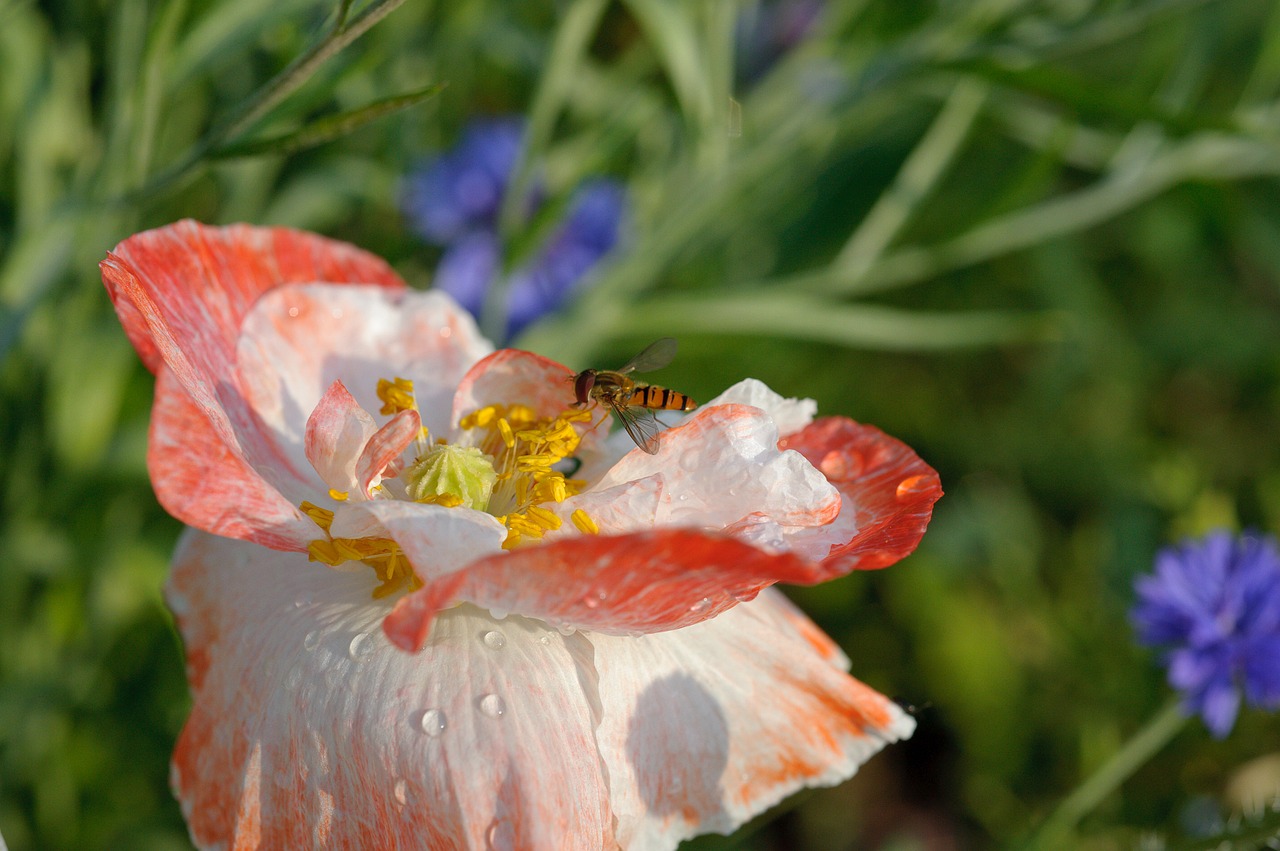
328 128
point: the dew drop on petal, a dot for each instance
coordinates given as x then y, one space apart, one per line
494 640
544 639
446 332
401 792
360 647
565 629
492 706
841 465
912 486
311 640
432 722
692 461
293 312
701 606
499 835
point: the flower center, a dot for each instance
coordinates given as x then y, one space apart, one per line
508 462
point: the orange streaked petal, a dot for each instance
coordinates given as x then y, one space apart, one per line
705 727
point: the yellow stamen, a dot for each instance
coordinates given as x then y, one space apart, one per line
507 436
396 396
340 496
322 517
585 524
544 518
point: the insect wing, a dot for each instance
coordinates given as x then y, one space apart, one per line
641 425
655 356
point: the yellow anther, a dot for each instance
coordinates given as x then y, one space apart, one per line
396 395
323 550
585 524
507 436
512 540
544 518
521 414
322 517
340 496
523 525
537 460
448 500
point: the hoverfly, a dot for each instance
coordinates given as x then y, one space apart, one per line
633 402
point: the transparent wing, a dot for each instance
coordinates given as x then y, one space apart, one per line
655 356
642 426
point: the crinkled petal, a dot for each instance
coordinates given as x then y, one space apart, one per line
308 730
336 434
298 340
618 584
789 415
888 488
707 726
202 482
723 464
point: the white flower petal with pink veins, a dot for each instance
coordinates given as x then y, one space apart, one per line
309 730
705 727
299 339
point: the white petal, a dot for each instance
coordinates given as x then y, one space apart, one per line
706 726
789 415
437 540
310 731
723 465
298 339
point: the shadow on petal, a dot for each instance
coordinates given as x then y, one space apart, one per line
688 787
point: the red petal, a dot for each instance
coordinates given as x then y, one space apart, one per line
186 287
620 584
204 484
891 490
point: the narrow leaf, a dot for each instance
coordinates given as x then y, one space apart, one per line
328 128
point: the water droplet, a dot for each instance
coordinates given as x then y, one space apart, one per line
302 600
913 486
360 647
494 640
499 835
565 629
293 312
692 461
684 497
498 614
841 465
432 722
492 705
544 639
311 640
446 332
402 792
701 606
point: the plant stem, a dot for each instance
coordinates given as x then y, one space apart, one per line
1136 752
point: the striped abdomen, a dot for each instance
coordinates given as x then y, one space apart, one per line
659 399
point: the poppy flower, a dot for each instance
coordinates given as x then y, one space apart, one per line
1214 606
426 602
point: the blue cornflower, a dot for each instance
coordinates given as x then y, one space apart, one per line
454 202
1215 606
557 269
461 191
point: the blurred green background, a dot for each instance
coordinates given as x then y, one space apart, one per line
1038 241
